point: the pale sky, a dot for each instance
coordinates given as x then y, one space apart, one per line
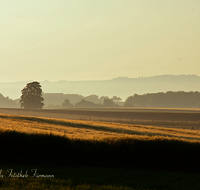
98 39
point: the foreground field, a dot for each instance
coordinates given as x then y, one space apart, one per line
97 155
93 130
99 178
118 143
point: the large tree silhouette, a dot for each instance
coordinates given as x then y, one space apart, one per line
31 97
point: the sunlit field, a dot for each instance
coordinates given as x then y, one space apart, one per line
97 155
93 130
167 118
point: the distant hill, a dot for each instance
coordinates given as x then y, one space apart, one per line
121 86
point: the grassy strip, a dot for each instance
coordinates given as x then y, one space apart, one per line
22 148
99 178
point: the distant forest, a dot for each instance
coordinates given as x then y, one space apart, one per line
59 100
6 102
170 99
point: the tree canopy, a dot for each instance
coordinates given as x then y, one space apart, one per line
109 103
84 103
31 97
67 103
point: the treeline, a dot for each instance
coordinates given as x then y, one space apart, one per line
169 99
107 102
59 98
6 102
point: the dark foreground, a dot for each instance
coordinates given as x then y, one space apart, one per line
81 164
72 177
84 178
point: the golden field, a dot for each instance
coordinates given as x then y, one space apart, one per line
160 117
93 130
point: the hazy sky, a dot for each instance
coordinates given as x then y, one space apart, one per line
98 39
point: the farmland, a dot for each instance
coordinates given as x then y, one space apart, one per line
91 130
99 152
171 118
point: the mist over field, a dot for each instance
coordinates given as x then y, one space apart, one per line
121 86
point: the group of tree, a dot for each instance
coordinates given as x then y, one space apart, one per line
179 99
84 103
51 99
32 98
6 102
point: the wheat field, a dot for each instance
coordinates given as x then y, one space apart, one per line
93 130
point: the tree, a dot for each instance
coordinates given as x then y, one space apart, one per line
31 97
109 103
84 103
115 98
93 98
66 103
129 102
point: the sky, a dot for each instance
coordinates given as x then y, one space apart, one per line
98 40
